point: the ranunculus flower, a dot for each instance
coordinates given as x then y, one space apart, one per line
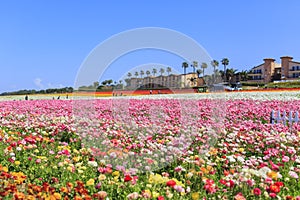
171 183
285 159
274 188
256 191
127 178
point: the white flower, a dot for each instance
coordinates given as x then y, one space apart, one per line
231 159
92 163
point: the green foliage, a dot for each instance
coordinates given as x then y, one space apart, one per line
294 84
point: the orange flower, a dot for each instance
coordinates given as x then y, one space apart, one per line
77 198
272 175
69 185
19 195
64 190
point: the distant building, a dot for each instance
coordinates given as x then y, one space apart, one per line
270 71
170 81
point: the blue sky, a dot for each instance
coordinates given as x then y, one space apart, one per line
44 43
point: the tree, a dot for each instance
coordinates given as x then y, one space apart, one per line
203 66
96 84
148 73
109 82
142 73
154 71
194 66
244 75
230 73
214 64
199 72
161 71
169 69
185 65
136 74
129 74
225 62
104 82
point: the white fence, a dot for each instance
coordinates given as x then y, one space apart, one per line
293 117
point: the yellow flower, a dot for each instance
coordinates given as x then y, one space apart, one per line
116 173
5 169
157 178
90 182
36 151
69 168
17 162
76 151
148 193
80 171
155 194
77 159
213 151
102 177
57 195
195 196
241 150
19 177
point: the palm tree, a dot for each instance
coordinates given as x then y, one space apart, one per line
148 73
142 73
203 66
136 74
214 64
185 65
244 75
194 66
199 72
129 74
169 69
161 71
154 71
230 73
225 62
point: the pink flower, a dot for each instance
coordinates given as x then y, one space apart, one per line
272 195
37 161
293 174
285 159
257 191
239 196
250 182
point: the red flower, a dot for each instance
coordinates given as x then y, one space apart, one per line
222 181
279 184
160 198
274 188
257 191
127 178
171 183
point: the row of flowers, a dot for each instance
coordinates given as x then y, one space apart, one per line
148 149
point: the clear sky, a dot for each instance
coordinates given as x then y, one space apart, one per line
43 43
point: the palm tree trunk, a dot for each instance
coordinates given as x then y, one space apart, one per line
225 77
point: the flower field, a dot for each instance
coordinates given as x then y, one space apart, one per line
164 147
